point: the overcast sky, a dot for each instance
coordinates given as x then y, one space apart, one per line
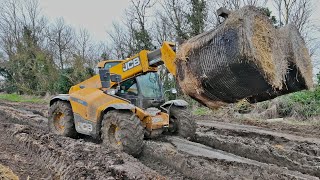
94 15
98 15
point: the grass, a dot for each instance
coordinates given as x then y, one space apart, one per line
302 123
286 121
201 111
22 98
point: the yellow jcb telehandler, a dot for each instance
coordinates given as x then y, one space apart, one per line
124 103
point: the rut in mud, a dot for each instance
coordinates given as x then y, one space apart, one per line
198 161
44 155
67 158
58 157
285 150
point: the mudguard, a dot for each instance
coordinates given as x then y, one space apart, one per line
90 128
120 106
62 97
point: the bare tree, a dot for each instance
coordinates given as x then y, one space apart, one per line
174 11
118 36
236 4
22 39
261 3
161 30
10 25
297 12
139 12
137 16
301 16
103 52
213 19
61 37
83 43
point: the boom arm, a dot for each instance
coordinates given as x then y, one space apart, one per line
142 62
165 55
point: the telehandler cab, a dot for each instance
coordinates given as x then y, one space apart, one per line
123 104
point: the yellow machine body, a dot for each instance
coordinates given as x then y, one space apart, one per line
89 100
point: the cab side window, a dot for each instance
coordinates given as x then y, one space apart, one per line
129 87
133 90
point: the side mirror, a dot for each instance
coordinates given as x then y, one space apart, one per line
104 78
115 78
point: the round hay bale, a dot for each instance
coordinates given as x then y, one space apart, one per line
245 57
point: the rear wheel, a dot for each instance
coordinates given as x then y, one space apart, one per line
61 120
182 123
122 130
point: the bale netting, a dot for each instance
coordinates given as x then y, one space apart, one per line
244 57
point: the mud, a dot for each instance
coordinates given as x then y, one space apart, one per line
197 161
40 109
162 168
67 158
221 151
302 129
19 160
22 116
285 150
308 130
257 130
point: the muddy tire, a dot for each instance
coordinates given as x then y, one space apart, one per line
182 123
122 130
61 119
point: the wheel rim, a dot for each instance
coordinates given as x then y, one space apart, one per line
114 136
58 121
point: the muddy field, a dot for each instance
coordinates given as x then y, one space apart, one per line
221 150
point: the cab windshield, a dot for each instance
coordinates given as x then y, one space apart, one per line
109 65
149 85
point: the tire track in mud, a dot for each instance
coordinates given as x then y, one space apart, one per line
23 116
166 158
255 129
34 108
66 158
197 161
162 168
15 115
75 159
21 163
285 150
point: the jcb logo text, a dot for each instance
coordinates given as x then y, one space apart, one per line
131 64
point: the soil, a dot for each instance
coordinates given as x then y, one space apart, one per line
220 151
285 150
305 128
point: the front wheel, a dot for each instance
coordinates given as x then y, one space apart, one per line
123 131
182 123
61 120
